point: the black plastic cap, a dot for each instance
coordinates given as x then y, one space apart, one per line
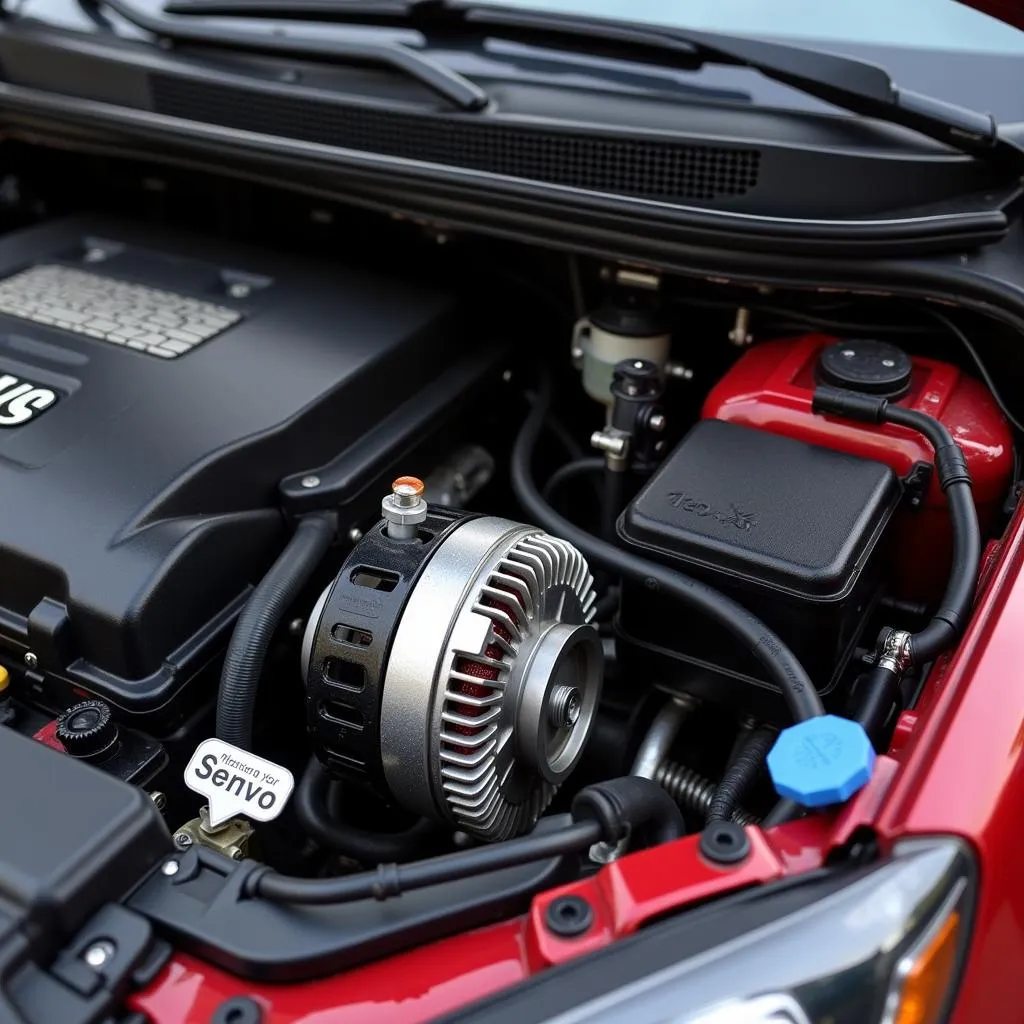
630 320
867 366
88 730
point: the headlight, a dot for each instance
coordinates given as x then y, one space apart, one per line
886 948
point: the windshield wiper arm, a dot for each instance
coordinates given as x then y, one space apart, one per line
849 84
455 88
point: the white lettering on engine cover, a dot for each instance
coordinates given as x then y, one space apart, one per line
21 401
236 782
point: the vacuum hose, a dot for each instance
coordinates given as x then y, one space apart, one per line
740 774
949 620
783 667
255 627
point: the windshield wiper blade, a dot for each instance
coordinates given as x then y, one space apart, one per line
844 82
450 85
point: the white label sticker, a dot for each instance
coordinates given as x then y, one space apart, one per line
237 782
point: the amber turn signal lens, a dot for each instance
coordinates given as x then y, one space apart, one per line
928 975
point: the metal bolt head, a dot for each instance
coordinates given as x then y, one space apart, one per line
848 353
182 840
889 363
99 953
31 660
310 482
239 290
565 707
170 868
657 422
355 535
159 799
407 491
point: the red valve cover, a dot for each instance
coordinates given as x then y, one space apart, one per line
770 387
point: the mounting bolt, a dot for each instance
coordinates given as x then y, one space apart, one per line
355 535
182 840
170 868
568 917
159 799
614 445
404 508
564 709
657 422
310 482
99 953
31 660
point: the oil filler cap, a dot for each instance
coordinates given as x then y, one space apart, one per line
821 761
865 365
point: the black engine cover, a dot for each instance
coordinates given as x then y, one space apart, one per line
137 509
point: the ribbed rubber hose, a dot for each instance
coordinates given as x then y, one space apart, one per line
781 664
270 601
740 774
311 808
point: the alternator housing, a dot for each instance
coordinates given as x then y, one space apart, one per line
457 671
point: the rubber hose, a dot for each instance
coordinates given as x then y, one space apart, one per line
633 807
740 774
881 689
261 616
391 880
571 470
947 625
611 502
311 808
949 621
782 666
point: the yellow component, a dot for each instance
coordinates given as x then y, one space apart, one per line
5 679
927 981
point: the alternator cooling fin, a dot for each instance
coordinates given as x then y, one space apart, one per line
538 582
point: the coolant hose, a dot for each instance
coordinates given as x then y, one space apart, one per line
949 620
311 808
781 664
571 470
617 810
740 774
636 808
273 596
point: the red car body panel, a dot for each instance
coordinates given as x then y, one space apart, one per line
956 767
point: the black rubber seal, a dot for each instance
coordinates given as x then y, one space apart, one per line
238 1010
569 917
724 842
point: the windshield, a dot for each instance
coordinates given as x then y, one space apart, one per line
939 24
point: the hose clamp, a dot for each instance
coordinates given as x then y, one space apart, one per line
894 652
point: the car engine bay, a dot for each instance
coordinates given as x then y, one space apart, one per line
460 533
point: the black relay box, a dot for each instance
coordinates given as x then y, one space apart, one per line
791 531
139 489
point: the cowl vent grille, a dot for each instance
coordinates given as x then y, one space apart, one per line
642 168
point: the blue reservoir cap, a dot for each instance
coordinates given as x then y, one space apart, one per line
821 761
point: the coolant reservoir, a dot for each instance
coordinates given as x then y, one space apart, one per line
771 387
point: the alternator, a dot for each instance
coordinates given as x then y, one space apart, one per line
452 663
